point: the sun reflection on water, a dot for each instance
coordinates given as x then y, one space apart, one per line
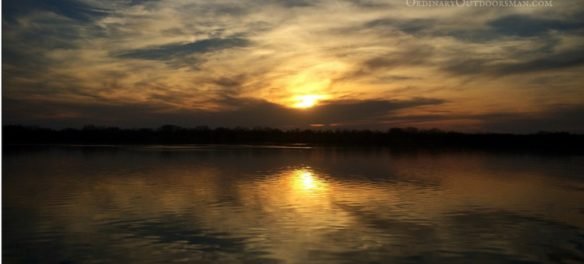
305 180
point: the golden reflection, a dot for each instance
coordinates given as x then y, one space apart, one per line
304 179
307 180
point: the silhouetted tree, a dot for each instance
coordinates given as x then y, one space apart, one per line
404 138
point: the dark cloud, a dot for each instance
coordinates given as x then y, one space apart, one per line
464 66
20 64
369 3
27 42
553 118
363 110
526 26
496 29
415 56
230 86
296 3
142 2
410 56
239 112
557 61
512 26
171 51
556 118
542 62
396 78
410 26
73 9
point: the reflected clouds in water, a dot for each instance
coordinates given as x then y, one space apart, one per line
294 206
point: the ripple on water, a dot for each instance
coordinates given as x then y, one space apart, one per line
237 204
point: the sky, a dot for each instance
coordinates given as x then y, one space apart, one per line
293 64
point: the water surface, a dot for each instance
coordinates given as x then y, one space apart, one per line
246 204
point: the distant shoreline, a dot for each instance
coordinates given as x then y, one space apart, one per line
395 138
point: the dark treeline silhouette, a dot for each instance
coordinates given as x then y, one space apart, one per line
394 137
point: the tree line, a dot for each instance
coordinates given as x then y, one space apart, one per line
394 137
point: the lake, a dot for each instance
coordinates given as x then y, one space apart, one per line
274 204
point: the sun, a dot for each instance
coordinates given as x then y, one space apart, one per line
307 101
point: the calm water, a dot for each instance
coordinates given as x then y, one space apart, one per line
288 205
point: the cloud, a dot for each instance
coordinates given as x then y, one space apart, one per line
557 61
171 51
465 66
378 66
411 26
350 111
527 26
73 9
297 3
370 3
552 118
556 118
547 62
242 112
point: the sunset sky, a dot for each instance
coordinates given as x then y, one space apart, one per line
293 63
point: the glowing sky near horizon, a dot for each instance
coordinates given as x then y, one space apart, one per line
296 63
